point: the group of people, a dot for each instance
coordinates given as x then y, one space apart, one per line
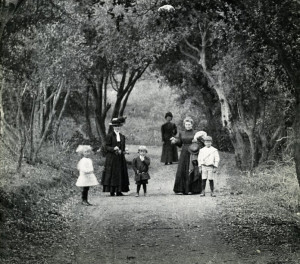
197 163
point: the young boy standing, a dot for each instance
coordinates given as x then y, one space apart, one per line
140 166
208 161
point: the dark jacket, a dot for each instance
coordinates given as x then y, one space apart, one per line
141 168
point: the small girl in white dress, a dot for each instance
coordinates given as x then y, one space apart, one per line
86 177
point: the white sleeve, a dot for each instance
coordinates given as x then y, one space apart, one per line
216 159
200 158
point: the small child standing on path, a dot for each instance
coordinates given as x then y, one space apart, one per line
208 161
86 177
140 166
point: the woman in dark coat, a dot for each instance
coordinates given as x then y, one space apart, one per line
115 175
169 151
188 178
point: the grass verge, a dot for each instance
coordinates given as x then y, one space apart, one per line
260 214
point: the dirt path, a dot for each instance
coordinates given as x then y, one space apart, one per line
160 228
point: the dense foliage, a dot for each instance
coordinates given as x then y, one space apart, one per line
237 60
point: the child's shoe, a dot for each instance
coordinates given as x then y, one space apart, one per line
145 194
202 194
212 194
137 195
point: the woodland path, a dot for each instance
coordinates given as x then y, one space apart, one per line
160 228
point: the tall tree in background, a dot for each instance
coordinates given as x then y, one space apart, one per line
121 43
238 70
275 25
7 11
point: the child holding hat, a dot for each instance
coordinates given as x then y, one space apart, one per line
140 166
208 161
86 177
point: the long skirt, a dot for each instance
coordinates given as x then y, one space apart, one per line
187 180
169 153
115 175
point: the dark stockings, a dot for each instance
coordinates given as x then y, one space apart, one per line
138 187
203 185
211 185
85 191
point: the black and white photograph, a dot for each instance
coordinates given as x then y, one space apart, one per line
149 131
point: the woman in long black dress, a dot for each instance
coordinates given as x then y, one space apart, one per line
115 175
168 130
188 178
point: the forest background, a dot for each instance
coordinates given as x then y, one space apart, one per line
236 62
68 66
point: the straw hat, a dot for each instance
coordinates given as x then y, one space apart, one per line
83 148
144 148
200 135
194 148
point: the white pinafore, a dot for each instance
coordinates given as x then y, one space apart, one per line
86 173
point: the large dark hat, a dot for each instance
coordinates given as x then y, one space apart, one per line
118 121
168 114
194 148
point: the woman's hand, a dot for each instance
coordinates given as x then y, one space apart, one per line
200 168
173 140
117 150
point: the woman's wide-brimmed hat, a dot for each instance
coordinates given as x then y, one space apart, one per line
200 135
144 148
168 114
194 148
118 121
83 148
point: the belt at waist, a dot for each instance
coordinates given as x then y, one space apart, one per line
89 172
207 165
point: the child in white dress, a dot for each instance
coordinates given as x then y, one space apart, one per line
86 177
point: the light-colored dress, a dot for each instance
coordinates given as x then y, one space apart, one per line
86 173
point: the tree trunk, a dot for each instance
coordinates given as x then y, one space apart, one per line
1 103
31 130
240 148
87 114
58 121
117 106
296 126
262 146
101 128
253 163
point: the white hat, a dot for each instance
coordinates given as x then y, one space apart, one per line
144 148
82 148
200 134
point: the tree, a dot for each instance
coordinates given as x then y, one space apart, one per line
120 44
276 25
7 11
237 70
